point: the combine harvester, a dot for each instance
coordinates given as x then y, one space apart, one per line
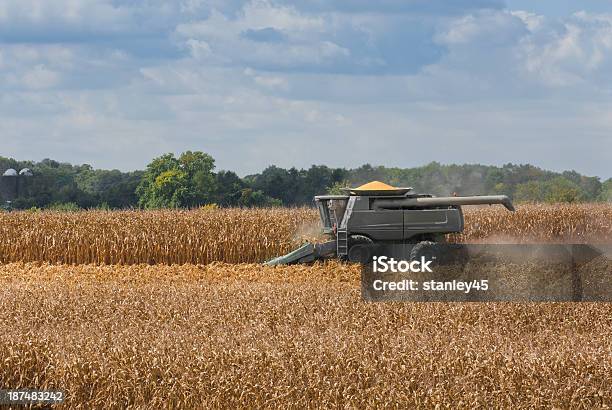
376 214
379 220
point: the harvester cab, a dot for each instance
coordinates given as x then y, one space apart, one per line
331 210
376 213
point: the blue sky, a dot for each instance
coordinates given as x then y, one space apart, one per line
399 83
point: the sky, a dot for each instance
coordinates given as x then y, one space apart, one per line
115 83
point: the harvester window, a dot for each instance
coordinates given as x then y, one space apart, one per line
324 213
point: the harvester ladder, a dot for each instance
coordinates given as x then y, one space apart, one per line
332 217
342 234
341 242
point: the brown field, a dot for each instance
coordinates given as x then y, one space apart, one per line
248 235
142 326
229 336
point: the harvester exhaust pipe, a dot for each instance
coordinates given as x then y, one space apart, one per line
445 201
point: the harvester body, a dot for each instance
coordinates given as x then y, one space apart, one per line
364 217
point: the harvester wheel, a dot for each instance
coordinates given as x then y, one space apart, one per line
425 249
360 249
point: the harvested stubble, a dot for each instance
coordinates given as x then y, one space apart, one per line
251 235
249 336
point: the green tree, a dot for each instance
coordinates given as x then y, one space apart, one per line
278 183
606 191
250 198
229 188
560 189
589 186
201 185
170 189
113 188
172 182
532 191
502 189
337 188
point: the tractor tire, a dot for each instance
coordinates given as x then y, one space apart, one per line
360 249
427 249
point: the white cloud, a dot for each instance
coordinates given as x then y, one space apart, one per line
532 53
578 52
272 81
40 77
23 16
199 48
306 43
257 14
489 27
531 20
262 13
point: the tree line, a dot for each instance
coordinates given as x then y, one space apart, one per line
190 180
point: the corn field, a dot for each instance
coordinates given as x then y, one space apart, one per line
246 336
167 236
575 223
251 235
171 309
